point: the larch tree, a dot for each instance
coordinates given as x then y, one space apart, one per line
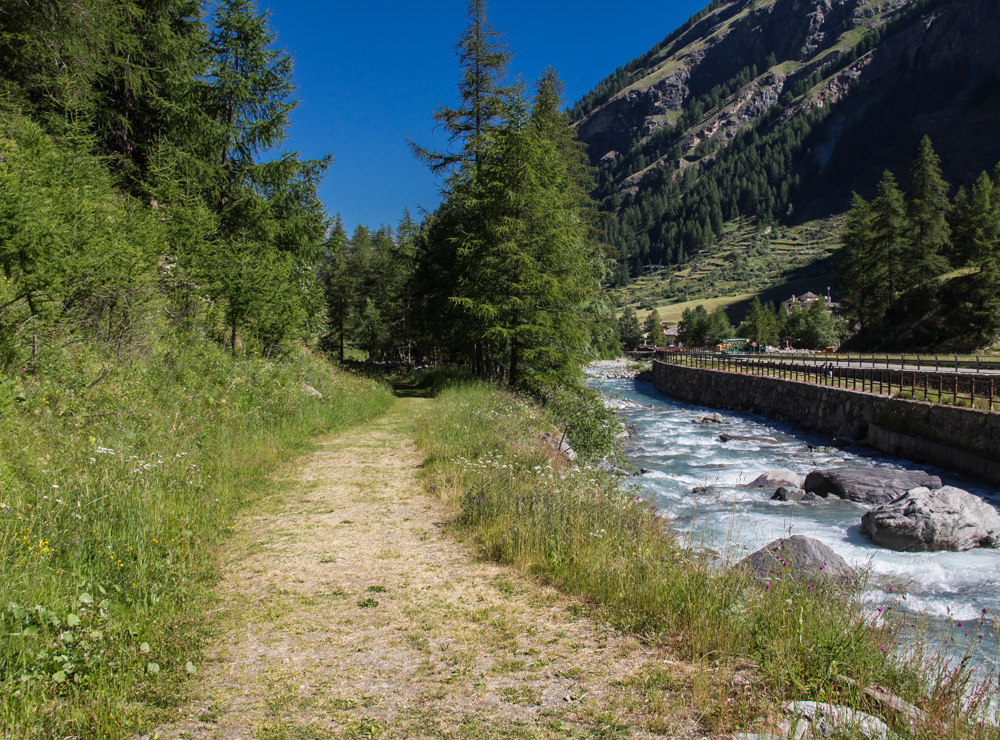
483 58
268 209
929 234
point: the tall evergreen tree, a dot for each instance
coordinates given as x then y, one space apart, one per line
654 325
929 233
526 262
338 284
267 209
483 58
629 329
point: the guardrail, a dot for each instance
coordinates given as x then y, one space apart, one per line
964 389
937 363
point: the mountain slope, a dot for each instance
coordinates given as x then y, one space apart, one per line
777 109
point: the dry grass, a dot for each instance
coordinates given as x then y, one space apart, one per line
350 609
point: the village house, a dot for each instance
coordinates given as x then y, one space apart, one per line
806 300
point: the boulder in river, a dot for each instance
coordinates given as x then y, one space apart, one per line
923 520
747 438
797 557
788 493
868 485
710 419
775 478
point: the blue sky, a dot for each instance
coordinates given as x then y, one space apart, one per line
369 74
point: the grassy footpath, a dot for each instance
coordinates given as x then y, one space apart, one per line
118 484
591 535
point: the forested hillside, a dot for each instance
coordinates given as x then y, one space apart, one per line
775 110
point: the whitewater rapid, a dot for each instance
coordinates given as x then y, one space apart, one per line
951 589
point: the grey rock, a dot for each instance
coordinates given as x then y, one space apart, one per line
868 485
710 419
559 445
830 720
747 438
797 557
923 520
310 391
786 493
703 489
809 496
775 478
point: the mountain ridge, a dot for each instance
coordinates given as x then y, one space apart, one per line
843 88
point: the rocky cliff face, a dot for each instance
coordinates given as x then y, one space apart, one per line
787 42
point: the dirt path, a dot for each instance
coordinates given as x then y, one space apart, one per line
347 611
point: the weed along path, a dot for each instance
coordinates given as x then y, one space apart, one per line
348 609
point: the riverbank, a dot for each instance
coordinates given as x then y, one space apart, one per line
962 439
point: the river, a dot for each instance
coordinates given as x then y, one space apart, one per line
951 589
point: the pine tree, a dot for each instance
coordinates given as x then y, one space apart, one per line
654 325
526 262
338 283
976 222
483 58
268 208
929 233
629 329
862 268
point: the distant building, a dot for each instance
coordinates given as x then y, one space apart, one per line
671 335
806 300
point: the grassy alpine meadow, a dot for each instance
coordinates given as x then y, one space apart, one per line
591 534
119 482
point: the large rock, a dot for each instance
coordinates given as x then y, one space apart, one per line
923 520
788 493
797 557
833 720
777 478
868 485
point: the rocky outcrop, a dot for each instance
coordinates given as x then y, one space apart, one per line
867 485
796 557
776 478
925 520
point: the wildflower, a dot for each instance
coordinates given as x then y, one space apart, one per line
881 647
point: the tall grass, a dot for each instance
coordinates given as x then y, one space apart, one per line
118 483
592 535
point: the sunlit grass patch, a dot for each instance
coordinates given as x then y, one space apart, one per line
118 485
592 534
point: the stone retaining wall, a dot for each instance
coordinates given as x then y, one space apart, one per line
962 439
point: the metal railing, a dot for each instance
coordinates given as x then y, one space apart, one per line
964 389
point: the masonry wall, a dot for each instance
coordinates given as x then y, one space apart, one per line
962 439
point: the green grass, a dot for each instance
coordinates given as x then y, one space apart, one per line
591 535
121 479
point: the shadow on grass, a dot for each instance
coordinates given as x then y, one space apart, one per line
429 383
